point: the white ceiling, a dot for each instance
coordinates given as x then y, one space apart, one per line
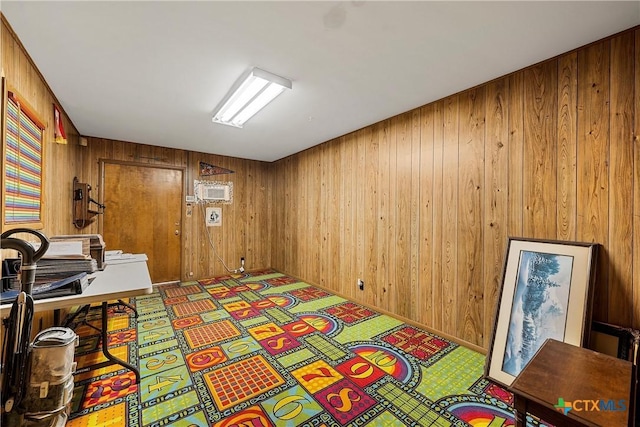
153 71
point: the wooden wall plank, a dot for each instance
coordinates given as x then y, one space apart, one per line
303 206
621 171
470 215
9 46
370 211
266 183
290 224
425 292
449 254
346 245
496 201
567 106
382 222
232 241
360 211
254 234
391 299
515 219
325 171
415 311
636 184
540 193
438 286
314 213
235 242
593 159
334 233
351 187
240 211
277 257
286 214
403 217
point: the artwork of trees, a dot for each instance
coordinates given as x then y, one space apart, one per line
539 307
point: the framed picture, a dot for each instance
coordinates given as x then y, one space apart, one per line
546 293
214 217
615 341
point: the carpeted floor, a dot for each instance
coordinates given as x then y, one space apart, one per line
265 349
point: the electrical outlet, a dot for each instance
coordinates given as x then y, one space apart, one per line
361 284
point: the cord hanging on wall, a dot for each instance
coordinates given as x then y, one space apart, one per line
83 214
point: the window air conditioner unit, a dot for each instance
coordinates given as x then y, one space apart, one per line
215 192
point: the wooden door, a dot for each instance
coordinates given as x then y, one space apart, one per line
143 215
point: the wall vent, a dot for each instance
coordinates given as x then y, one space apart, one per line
208 191
216 192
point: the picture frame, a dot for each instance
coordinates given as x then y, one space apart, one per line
547 292
616 341
214 217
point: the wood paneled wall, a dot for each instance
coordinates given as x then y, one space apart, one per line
245 223
421 205
60 161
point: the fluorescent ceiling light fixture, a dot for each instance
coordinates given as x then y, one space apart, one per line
257 90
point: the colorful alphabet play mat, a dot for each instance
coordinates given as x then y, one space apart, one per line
266 349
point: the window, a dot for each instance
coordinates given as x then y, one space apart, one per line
22 164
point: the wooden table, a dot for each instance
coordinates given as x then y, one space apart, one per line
597 387
118 280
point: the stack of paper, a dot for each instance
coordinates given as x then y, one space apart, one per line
92 244
119 257
67 249
65 258
57 268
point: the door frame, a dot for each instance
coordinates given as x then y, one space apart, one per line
183 169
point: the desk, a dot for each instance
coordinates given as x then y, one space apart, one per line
579 376
118 280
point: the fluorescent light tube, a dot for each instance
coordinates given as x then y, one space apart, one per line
257 90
